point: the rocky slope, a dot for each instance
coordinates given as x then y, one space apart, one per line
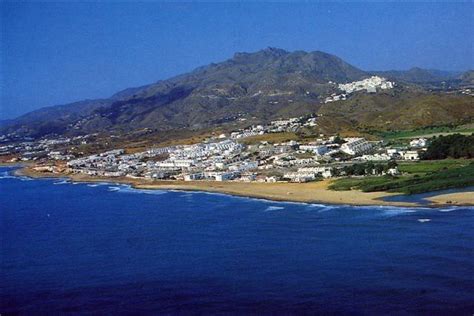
258 86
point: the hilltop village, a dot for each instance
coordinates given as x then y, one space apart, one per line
369 85
226 157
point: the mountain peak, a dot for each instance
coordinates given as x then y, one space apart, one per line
266 52
274 51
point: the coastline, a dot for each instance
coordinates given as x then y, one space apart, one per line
311 192
459 198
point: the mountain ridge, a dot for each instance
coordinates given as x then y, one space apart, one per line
261 85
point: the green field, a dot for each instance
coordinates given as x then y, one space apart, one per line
426 166
346 184
425 132
420 177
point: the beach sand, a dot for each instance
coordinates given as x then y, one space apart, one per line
459 198
311 192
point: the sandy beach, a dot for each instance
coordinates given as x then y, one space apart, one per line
312 192
459 198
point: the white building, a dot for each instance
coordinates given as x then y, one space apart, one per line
418 143
317 149
411 155
325 172
370 85
193 176
300 176
224 176
374 157
355 146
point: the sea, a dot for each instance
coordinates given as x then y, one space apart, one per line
101 248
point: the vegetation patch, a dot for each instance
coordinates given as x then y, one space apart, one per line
346 184
452 146
445 178
419 132
427 166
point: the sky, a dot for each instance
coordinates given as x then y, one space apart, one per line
57 53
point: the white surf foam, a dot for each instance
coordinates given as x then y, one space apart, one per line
7 177
128 189
451 209
62 182
424 220
395 211
315 205
274 208
327 208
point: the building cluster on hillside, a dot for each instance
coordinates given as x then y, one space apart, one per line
225 157
336 97
278 126
50 148
468 91
370 85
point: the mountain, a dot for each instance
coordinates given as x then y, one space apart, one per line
54 119
269 83
250 87
467 78
418 75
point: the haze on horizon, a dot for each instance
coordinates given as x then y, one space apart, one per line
56 53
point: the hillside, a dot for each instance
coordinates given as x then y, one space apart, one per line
250 87
467 78
400 109
418 75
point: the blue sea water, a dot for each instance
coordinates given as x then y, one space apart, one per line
102 249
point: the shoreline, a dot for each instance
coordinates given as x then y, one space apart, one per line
311 192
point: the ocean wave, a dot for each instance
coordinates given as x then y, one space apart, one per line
7 175
320 208
125 188
10 175
395 211
450 209
327 208
424 220
274 208
151 192
62 182
313 205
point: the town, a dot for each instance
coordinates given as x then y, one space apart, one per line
370 85
226 157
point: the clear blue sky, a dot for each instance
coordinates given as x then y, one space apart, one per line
55 53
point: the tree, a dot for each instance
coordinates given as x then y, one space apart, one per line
379 168
453 146
359 169
339 140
